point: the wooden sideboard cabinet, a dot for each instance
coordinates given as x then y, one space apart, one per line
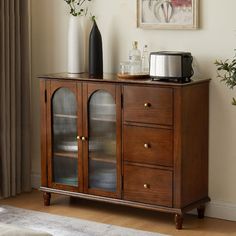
138 143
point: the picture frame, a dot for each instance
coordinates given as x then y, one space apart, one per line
168 14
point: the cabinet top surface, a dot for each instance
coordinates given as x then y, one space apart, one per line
114 79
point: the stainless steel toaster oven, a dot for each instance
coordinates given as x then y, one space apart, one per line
171 65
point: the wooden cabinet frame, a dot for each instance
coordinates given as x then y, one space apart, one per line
83 94
76 88
186 117
88 90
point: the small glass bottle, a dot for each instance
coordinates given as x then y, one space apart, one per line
145 60
135 59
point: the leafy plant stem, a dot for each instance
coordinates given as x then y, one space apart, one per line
226 71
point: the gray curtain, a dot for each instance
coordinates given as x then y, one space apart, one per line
14 98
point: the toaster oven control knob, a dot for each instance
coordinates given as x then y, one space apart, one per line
146 145
147 104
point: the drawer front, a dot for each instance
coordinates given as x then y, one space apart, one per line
148 105
148 145
147 185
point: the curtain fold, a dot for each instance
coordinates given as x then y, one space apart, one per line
15 158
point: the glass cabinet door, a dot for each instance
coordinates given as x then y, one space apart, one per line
64 120
102 145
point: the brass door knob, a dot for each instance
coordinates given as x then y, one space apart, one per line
146 186
147 104
146 145
78 137
83 139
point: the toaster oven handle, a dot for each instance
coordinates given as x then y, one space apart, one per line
192 71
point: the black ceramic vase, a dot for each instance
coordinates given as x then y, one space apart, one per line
95 52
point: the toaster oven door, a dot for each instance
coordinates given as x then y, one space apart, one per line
169 66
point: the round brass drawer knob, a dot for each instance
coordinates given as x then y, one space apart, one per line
146 145
146 186
83 138
78 138
147 104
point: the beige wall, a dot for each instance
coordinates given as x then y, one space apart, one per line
215 39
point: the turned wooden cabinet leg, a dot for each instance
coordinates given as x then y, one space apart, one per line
179 221
201 211
47 198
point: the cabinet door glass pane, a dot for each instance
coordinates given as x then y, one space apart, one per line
65 146
102 142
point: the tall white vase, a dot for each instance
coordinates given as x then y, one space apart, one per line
77 44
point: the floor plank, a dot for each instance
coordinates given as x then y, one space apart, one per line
122 215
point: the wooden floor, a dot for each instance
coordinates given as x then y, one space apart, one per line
122 216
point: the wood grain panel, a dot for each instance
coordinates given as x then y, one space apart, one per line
159 105
148 145
195 109
159 185
177 147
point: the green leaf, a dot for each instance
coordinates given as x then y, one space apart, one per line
226 71
234 102
78 7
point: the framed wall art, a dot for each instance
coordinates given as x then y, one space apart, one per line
167 14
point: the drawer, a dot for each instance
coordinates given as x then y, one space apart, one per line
148 105
148 145
147 185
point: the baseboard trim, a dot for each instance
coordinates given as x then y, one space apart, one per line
214 209
221 210
35 180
